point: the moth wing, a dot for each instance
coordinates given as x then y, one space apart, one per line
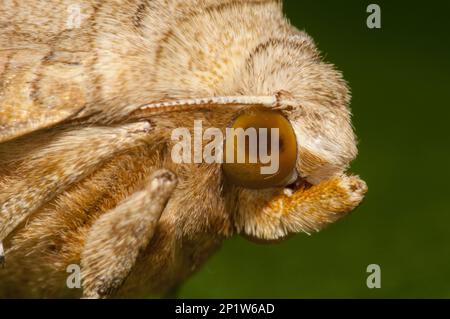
36 91
44 54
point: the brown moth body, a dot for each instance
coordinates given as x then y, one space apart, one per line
86 174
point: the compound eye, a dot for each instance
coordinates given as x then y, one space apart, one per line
260 150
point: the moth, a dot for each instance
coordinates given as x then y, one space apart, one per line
90 92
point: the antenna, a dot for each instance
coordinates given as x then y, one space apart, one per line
182 104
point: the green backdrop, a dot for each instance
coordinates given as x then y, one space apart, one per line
399 77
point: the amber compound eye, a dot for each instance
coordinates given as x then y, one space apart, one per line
260 150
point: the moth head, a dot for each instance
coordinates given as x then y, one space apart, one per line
316 100
284 84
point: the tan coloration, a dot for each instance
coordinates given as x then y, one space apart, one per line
123 232
76 151
25 107
43 63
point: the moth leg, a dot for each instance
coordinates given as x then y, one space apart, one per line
314 208
308 209
66 159
117 237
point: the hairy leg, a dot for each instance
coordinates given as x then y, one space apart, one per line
308 209
117 237
64 160
323 204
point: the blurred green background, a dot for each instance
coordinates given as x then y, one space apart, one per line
400 81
